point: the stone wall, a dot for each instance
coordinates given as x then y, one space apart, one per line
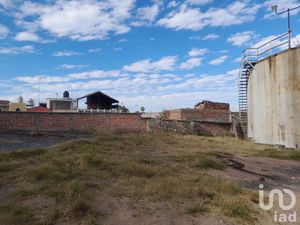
217 116
190 127
72 121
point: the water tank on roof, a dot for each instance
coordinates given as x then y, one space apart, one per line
66 94
30 103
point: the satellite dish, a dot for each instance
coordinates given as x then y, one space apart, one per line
274 8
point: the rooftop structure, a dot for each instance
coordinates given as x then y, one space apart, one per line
99 100
64 104
4 105
212 105
38 109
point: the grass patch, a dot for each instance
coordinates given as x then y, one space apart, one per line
238 207
286 154
198 209
15 214
70 181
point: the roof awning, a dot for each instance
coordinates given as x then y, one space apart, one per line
100 94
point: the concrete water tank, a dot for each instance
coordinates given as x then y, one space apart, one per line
274 100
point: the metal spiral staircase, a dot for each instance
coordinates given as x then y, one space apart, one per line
245 70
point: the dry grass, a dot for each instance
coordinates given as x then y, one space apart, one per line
61 185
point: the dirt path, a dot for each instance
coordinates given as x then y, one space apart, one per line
249 172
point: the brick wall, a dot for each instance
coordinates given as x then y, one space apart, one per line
217 116
72 121
212 105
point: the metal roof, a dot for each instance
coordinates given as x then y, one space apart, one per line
99 93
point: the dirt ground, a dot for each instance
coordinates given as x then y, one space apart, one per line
10 141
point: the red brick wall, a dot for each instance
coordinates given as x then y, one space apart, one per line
204 105
72 121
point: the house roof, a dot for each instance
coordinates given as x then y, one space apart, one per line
101 94
4 102
38 109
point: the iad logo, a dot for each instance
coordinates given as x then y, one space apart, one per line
284 217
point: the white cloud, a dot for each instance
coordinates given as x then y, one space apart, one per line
3 31
148 13
6 3
41 79
71 66
95 74
146 66
219 60
187 18
27 36
80 20
210 37
30 36
94 50
17 50
242 38
65 53
172 4
191 63
197 52
199 2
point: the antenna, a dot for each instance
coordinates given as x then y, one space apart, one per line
40 77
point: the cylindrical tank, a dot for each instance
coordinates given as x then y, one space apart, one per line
66 94
30 103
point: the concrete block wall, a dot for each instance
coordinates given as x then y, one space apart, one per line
72 121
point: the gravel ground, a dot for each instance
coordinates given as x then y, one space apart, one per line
11 141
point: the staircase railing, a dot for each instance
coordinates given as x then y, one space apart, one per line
255 54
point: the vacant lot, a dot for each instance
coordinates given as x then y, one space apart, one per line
135 179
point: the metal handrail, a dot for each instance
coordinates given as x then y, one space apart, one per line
253 54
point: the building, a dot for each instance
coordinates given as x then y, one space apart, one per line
4 105
205 111
38 109
99 100
64 104
269 91
20 106
17 107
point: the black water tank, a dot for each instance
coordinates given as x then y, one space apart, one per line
66 94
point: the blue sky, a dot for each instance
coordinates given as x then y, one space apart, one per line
156 54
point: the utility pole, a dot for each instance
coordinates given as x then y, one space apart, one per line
275 8
40 77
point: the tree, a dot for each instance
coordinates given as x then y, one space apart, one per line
142 109
123 109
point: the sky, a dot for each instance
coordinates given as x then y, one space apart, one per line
158 54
